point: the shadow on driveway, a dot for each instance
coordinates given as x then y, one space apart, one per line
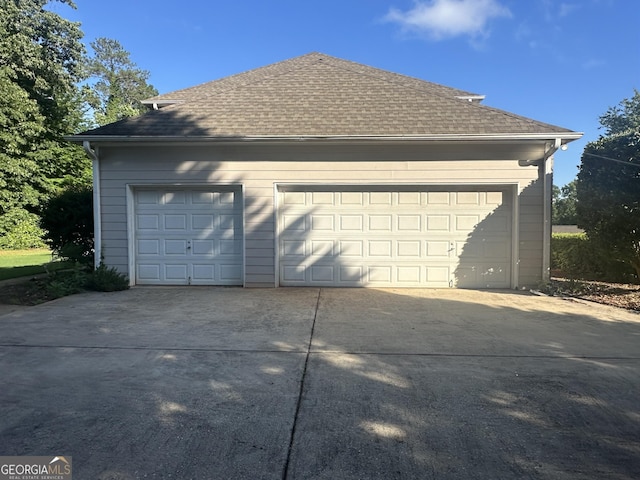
331 383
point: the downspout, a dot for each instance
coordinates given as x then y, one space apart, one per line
97 218
547 177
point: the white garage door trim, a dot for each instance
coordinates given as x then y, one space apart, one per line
510 196
212 270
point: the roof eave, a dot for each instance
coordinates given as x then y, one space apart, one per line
565 137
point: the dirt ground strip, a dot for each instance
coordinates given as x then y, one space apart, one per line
622 295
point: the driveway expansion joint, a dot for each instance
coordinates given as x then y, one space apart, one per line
287 462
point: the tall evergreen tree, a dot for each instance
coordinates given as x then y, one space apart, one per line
119 84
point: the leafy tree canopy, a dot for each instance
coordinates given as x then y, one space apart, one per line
119 84
564 204
40 65
44 54
608 188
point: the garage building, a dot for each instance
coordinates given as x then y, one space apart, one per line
318 171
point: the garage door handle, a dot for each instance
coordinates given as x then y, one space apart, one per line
189 245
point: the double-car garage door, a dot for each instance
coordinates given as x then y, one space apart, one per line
330 236
406 237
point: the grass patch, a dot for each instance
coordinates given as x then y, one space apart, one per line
60 279
27 263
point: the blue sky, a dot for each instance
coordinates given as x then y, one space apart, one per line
560 62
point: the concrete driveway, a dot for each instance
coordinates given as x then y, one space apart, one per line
229 383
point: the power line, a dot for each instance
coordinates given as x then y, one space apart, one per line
612 159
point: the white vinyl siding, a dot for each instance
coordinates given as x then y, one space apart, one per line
259 168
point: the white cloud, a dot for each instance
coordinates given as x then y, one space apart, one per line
566 9
553 11
593 63
449 18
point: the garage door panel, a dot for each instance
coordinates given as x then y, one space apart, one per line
467 198
203 273
351 223
149 272
203 222
494 198
438 223
149 222
351 275
175 247
175 222
205 248
438 276
293 274
294 223
466 223
145 197
322 248
174 198
203 198
351 248
379 274
438 249
188 236
379 248
403 238
322 274
148 247
380 223
438 198
322 198
351 198
380 198
176 272
322 223
409 223
408 249
294 248
409 274
409 198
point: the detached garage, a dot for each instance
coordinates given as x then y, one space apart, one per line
318 171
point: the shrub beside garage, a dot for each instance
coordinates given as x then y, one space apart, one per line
574 256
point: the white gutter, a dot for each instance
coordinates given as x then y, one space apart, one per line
564 137
97 218
547 178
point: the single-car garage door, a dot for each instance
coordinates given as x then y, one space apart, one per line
188 236
408 236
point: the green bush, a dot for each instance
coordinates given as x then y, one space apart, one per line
19 230
105 279
68 221
576 257
81 278
67 282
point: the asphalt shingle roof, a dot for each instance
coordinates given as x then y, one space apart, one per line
319 95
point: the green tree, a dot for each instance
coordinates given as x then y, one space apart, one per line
40 59
609 184
564 204
68 219
118 86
